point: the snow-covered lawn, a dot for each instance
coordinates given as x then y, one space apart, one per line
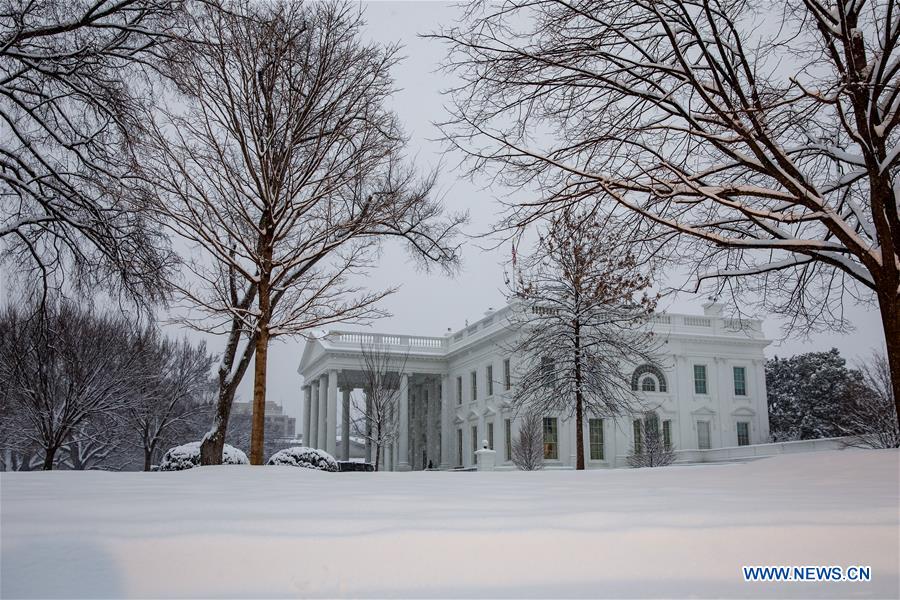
241 531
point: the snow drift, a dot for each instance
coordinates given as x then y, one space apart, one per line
187 456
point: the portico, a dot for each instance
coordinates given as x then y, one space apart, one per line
333 371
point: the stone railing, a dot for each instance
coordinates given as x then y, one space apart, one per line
358 339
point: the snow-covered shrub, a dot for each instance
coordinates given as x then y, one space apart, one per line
308 458
187 456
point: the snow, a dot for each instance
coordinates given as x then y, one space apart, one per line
307 458
242 531
187 456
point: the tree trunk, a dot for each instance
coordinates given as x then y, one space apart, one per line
213 445
377 455
258 430
579 403
889 305
49 455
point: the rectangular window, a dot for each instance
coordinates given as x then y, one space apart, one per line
700 379
474 385
551 439
743 433
507 375
490 435
740 381
489 378
508 434
474 439
547 370
703 441
459 390
667 434
638 437
595 434
459 447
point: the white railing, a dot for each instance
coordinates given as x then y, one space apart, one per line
353 338
697 321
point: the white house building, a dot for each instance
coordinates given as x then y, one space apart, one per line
455 392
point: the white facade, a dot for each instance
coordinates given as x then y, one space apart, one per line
456 390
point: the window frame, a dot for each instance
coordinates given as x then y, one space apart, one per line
734 371
551 448
490 435
507 375
746 425
707 425
489 379
507 426
705 380
459 446
474 386
596 442
667 434
459 390
475 447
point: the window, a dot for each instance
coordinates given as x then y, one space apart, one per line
740 381
474 385
700 379
547 370
743 433
648 384
489 378
459 390
490 435
474 438
507 375
459 446
638 437
667 434
595 435
508 434
551 439
703 435
651 426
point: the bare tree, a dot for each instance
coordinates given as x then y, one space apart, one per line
869 418
287 169
580 316
92 445
64 368
652 448
528 447
376 420
171 392
72 85
756 143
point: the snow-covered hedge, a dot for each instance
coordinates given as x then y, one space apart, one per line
187 456
308 458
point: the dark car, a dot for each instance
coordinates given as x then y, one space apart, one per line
346 465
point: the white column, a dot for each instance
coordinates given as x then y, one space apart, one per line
331 414
368 424
445 421
323 409
307 392
345 424
429 425
403 458
313 414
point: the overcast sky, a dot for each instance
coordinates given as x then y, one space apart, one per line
428 304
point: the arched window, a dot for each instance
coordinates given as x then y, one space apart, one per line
656 377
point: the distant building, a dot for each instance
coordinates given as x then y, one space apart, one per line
456 389
278 424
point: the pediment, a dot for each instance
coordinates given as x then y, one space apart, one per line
744 412
704 411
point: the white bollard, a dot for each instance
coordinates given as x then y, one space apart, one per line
485 458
